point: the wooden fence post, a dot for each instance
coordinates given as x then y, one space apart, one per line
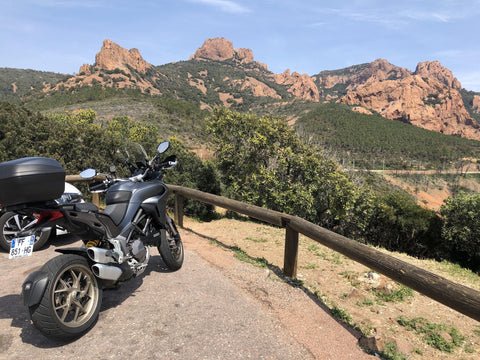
179 209
291 252
96 199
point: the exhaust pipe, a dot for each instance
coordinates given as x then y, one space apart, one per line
107 272
99 255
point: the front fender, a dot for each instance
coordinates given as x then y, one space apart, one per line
34 287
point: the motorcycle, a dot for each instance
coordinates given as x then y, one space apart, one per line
12 223
64 297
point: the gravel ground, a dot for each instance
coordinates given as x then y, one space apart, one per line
206 310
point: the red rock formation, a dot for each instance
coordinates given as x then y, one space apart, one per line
378 70
428 99
476 104
112 56
244 55
221 49
433 69
85 69
301 86
215 49
257 87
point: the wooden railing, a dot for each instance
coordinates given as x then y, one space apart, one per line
458 297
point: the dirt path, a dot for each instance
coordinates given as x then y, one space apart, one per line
215 307
369 301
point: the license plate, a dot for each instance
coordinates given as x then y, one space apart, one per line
21 247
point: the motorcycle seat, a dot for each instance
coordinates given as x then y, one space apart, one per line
85 207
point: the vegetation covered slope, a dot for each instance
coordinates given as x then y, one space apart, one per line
373 142
16 83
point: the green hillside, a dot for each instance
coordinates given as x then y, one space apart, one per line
467 97
190 90
16 83
372 141
217 77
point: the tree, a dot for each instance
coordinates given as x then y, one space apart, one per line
125 129
193 173
400 224
79 141
262 161
461 228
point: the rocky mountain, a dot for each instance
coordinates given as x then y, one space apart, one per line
429 97
114 67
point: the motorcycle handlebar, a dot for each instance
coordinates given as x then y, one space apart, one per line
97 187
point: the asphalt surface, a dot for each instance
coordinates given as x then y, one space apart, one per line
194 313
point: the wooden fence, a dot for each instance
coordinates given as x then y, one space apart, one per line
458 297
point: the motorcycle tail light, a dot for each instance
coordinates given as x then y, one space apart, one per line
45 216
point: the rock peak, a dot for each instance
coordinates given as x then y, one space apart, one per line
221 49
112 56
435 70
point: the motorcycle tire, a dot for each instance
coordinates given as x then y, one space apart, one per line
171 250
11 223
71 302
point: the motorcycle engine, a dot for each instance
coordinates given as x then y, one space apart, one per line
139 251
140 256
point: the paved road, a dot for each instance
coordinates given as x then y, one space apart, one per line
194 313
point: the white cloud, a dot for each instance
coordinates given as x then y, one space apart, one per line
225 5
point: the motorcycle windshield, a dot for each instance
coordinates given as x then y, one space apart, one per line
132 153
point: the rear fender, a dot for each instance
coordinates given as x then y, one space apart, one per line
74 250
34 287
36 282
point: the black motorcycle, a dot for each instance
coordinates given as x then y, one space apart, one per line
65 295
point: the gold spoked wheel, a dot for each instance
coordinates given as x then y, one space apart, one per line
71 302
75 295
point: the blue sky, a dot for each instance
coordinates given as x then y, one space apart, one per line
301 35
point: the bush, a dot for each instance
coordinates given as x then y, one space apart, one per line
398 223
196 174
461 228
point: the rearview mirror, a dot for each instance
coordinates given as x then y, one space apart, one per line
88 173
163 147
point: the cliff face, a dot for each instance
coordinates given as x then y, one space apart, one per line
301 86
114 67
112 56
476 104
220 49
428 98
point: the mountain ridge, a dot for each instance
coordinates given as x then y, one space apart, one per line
217 73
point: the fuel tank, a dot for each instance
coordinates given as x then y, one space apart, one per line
125 198
134 192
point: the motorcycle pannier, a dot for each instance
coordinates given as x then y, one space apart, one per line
31 179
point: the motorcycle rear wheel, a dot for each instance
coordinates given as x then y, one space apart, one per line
171 250
71 302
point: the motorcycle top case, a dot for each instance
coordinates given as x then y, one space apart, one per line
30 179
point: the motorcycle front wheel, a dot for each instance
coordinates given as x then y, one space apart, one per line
171 250
71 302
